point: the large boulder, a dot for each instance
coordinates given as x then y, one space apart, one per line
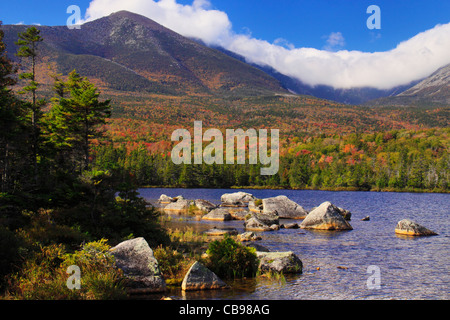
218 214
285 262
201 278
236 199
262 222
284 208
204 205
165 199
325 217
179 206
136 259
411 228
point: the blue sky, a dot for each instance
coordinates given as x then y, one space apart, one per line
299 22
319 42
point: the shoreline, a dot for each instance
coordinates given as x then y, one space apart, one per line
335 189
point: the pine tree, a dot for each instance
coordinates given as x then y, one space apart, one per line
74 120
28 45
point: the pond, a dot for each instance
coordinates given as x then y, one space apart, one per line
341 264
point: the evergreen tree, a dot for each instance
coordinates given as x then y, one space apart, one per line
28 45
74 120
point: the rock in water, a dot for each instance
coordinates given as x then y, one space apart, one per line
201 278
286 262
165 199
325 217
284 208
218 214
204 205
136 259
411 228
179 206
237 199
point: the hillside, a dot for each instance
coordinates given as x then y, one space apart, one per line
130 53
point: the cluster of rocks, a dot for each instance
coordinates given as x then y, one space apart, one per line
261 214
139 265
136 259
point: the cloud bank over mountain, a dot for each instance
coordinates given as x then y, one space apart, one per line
412 59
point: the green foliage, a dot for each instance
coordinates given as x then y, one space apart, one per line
230 259
173 264
44 276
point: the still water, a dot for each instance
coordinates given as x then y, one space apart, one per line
409 267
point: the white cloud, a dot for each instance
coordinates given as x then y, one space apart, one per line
411 60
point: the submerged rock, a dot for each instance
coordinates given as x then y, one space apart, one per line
201 278
216 232
236 199
285 262
136 259
411 228
284 207
347 215
325 217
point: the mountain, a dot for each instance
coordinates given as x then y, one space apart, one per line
131 53
353 96
432 91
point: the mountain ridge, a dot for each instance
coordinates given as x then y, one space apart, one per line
146 56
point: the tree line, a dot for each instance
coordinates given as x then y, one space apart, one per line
397 160
51 191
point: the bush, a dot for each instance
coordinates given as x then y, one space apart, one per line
230 259
44 276
173 264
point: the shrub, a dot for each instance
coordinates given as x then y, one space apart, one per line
44 276
230 259
173 264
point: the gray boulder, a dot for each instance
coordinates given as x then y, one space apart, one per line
179 206
254 224
136 259
284 208
325 217
285 262
165 199
262 222
411 228
218 214
248 236
204 205
201 278
236 199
